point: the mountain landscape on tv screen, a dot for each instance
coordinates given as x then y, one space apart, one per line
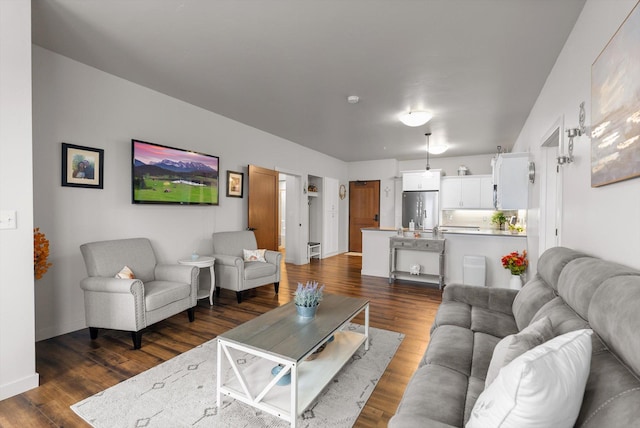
178 166
171 181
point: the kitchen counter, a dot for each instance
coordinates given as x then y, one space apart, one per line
444 230
487 232
490 243
375 249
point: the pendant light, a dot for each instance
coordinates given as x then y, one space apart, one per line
438 148
427 168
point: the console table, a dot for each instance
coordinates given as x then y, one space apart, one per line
430 245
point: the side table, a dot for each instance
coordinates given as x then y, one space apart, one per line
203 262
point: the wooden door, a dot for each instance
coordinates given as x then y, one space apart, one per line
364 210
263 206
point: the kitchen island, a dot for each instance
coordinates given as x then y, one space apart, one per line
490 243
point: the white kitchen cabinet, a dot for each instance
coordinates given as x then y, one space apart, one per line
486 192
470 192
511 175
466 192
421 180
450 190
331 218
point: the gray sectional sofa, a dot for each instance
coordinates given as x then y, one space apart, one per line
575 291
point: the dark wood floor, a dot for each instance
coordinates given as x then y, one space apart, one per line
72 367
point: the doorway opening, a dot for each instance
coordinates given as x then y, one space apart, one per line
290 226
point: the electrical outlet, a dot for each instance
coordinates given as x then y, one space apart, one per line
8 219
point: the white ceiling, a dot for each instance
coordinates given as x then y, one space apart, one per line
287 66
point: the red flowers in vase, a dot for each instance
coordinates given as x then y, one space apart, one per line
515 262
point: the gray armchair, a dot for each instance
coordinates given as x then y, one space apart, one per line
233 273
156 293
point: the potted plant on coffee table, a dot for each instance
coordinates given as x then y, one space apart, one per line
307 298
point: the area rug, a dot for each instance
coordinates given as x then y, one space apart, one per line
181 392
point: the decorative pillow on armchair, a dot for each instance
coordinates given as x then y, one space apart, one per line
254 256
125 273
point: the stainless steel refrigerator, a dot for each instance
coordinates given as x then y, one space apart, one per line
421 207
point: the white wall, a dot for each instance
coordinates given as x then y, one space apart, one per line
77 104
477 165
17 343
600 221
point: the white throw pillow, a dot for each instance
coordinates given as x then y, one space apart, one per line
125 273
514 345
254 255
541 388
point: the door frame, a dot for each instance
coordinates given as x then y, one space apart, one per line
551 175
297 209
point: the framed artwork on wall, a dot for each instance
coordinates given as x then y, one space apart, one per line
615 106
82 166
235 182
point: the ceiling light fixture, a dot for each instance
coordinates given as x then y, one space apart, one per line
415 118
353 99
438 148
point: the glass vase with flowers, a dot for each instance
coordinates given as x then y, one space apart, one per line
517 264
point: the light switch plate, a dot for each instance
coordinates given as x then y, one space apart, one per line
8 219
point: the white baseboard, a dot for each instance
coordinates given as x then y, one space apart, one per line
56 330
19 386
327 255
373 272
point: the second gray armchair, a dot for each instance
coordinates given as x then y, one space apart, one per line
233 272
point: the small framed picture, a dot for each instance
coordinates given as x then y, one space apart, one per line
234 184
82 166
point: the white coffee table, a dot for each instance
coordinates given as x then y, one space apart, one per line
203 262
280 336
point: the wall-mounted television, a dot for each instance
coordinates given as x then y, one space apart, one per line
167 175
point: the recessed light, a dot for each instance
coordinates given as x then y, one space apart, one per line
353 99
